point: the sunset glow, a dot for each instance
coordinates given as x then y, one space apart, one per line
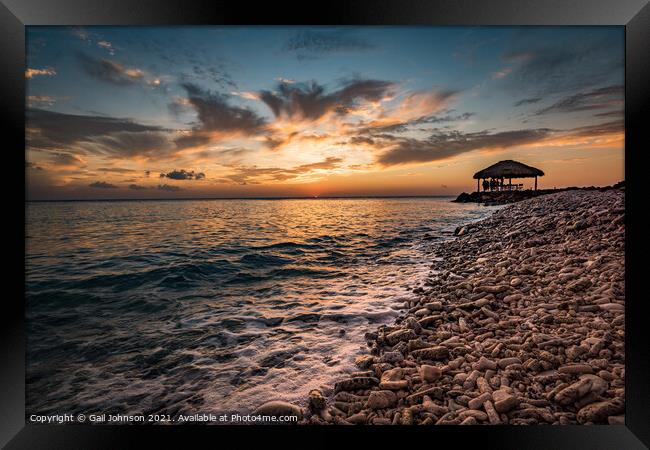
145 112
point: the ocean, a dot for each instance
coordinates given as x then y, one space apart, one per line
214 306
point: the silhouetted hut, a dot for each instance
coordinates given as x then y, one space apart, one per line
508 169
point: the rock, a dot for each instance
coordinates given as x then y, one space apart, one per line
353 384
600 411
504 401
316 401
381 399
431 353
400 335
477 402
430 373
392 357
363 362
393 374
277 408
575 369
394 385
485 364
358 418
515 282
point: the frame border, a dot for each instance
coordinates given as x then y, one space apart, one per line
633 14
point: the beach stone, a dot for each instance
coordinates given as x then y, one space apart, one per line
575 369
430 373
353 384
394 385
381 399
431 353
393 374
364 362
392 357
358 418
400 335
600 411
504 401
316 401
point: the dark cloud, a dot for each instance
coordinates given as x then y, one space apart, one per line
601 98
248 175
33 166
572 61
433 119
528 101
313 44
126 144
444 145
66 159
310 101
613 127
216 114
191 140
441 145
102 185
115 170
137 187
168 188
109 71
59 130
183 175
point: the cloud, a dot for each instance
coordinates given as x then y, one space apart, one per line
115 170
106 46
137 187
501 73
441 145
168 188
67 160
102 185
109 71
569 63
528 101
216 114
31 73
130 144
40 100
601 98
95 134
253 174
217 118
313 44
309 101
183 175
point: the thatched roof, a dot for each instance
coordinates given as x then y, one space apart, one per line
509 169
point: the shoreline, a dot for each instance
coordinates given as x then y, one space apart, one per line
521 321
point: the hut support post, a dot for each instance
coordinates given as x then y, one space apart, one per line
478 186
535 182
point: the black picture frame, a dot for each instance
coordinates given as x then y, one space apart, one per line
634 15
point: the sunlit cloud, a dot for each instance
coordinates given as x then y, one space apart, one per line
31 73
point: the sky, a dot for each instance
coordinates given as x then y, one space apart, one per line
203 111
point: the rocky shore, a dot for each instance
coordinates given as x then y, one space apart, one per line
520 322
503 197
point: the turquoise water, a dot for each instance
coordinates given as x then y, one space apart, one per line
214 305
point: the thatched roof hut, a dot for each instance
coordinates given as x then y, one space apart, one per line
508 169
